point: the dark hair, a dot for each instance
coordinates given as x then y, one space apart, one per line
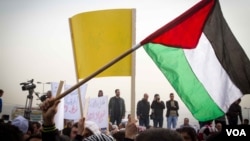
190 131
66 131
159 134
36 123
75 125
218 136
1 91
10 132
239 100
30 127
156 95
116 90
246 121
120 135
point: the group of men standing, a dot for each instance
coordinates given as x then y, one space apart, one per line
157 108
117 110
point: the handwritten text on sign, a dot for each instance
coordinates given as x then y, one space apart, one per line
98 111
71 103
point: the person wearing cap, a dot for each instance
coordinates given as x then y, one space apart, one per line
22 124
89 131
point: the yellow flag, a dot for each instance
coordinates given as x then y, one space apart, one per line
98 37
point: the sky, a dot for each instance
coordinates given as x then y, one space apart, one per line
35 43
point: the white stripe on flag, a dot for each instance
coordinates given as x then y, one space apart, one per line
209 71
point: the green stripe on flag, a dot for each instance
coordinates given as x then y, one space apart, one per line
175 67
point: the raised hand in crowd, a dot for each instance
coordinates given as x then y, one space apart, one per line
49 110
81 126
131 130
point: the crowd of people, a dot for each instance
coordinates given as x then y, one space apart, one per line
121 128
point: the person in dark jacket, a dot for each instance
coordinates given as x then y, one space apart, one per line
172 112
143 108
157 107
234 112
116 108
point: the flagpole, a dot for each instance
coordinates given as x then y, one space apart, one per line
133 69
77 76
134 48
132 96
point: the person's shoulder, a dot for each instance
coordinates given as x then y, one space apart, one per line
153 102
111 99
144 103
168 101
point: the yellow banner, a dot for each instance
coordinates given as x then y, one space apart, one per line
98 37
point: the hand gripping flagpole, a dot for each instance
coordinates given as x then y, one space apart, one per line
96 73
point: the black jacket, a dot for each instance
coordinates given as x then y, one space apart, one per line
121 106
158 108
169 107
143 108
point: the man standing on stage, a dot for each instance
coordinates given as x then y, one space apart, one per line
116 108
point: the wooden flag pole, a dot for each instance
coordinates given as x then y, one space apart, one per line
80 102
97 72
86 105
59 89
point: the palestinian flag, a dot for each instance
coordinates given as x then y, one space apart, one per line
202 60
